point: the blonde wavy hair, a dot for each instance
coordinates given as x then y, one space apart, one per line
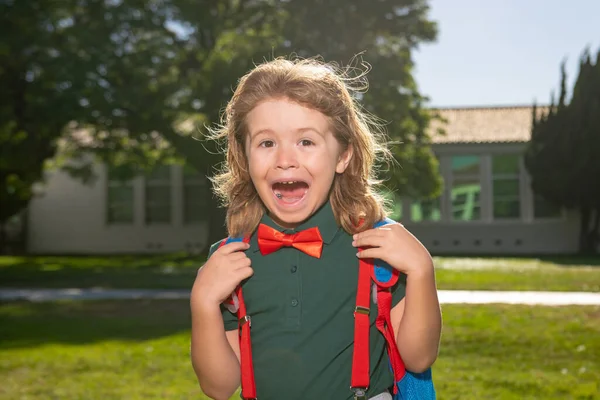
322 87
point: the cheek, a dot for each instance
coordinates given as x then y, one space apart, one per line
256 166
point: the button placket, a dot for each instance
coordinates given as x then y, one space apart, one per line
294 290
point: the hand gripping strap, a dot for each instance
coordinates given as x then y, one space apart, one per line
236 302
382 273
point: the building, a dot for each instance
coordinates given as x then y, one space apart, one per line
487 206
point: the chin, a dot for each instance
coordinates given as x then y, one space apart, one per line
289 219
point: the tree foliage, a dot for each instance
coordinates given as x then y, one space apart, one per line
133 81
563 156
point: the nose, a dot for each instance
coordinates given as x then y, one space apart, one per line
286 157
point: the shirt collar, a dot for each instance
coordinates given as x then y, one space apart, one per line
323 219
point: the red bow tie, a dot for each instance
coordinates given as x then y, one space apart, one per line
308 241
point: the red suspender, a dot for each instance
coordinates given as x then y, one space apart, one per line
247 377
244 324
360 358
384 324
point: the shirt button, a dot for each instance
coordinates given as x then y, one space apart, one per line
294 302
293 269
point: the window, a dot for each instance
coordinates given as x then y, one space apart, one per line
543 208
425 210
119 205
505 186
158 196
466 188
195 193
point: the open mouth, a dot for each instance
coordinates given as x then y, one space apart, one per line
290 192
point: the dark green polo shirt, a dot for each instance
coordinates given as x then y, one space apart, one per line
302 318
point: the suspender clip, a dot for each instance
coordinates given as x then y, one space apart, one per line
360 393
362 310
245 319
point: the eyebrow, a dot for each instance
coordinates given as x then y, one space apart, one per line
260 131
299 130
302 130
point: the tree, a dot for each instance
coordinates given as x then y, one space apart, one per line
28 126
140 79
563 155
385 33
115 79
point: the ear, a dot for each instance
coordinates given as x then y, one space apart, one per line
344 159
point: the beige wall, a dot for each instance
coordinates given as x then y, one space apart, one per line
548 237
71 218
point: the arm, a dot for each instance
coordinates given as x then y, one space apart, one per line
417 321
214 352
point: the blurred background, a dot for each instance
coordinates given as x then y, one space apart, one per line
493 111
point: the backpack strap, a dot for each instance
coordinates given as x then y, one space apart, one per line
236 304
383 277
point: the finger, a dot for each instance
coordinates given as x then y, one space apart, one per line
370 253
369 241
242 263
376 239
238 255
244 273
233 247
367 234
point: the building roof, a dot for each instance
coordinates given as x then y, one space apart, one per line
483 124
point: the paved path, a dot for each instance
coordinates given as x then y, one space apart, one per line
445 296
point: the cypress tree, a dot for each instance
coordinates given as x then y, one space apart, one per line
563 155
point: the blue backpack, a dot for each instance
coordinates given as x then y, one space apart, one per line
374 282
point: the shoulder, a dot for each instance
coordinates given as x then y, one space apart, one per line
384 221
216 245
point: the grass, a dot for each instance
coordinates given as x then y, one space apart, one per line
139 350
552 274
165 271
96 351
178 271
519 352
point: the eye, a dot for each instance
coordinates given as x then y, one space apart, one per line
306 142
266 143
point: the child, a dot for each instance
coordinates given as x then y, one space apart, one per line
300 158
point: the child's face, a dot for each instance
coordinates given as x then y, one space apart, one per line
293 157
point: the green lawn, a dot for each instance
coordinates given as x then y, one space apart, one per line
553 274
139 350
165 271
178 271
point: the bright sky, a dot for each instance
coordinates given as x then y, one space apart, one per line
504 52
